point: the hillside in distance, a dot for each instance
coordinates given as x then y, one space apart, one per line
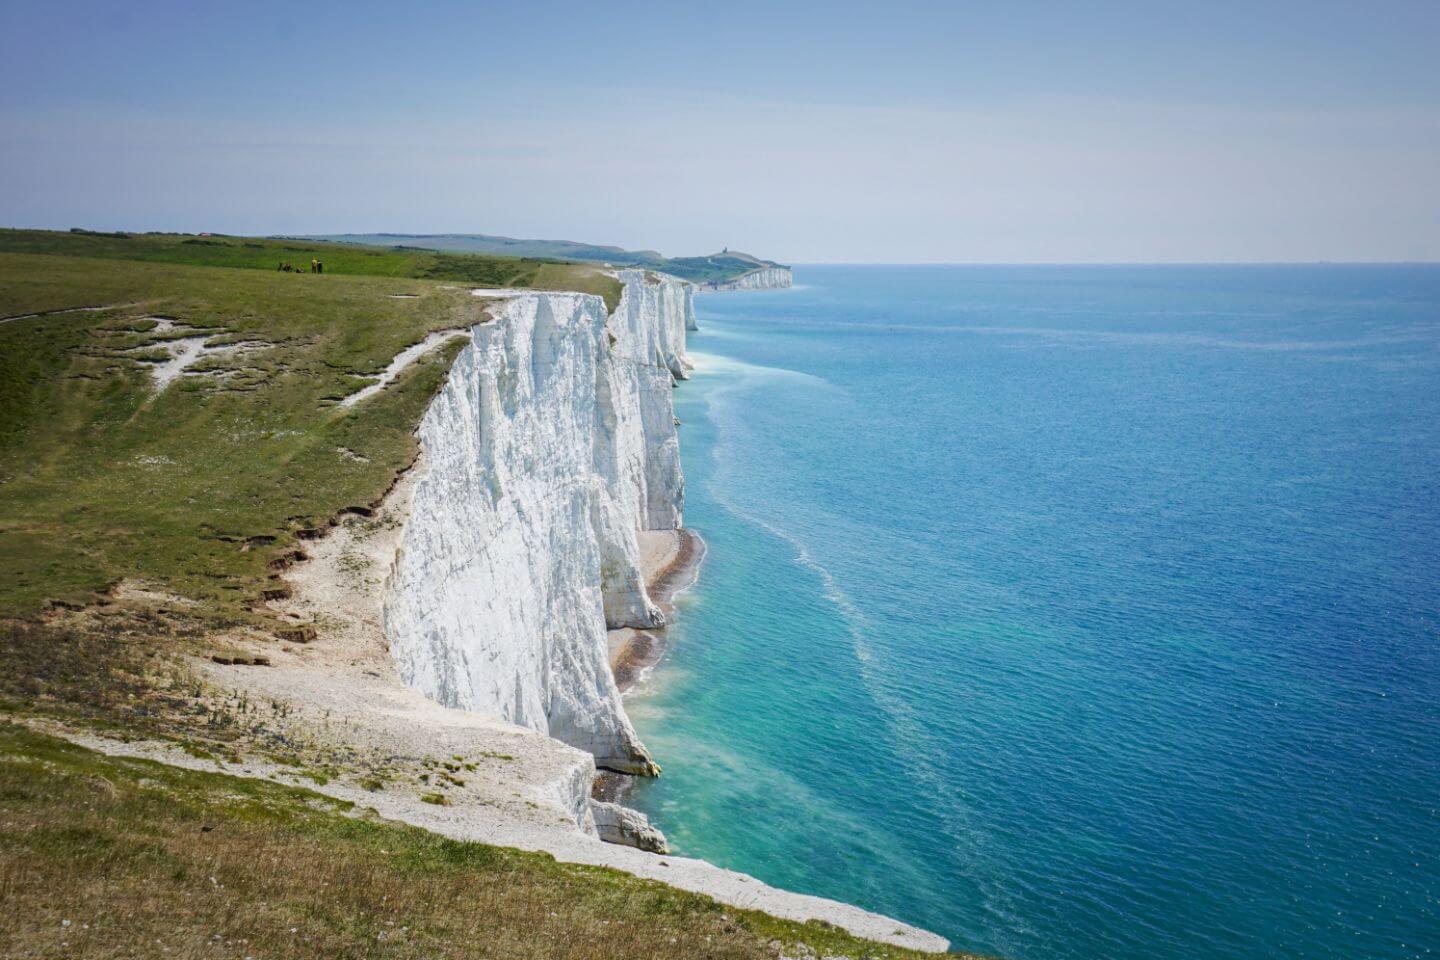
717 267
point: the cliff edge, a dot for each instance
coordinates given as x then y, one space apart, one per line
551 446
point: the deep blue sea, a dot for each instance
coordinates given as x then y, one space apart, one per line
1071 612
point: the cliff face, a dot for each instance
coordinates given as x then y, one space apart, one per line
647 356
767 278
552 443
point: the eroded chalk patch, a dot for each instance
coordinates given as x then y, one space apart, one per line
402 360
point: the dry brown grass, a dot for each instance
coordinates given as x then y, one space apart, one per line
152 861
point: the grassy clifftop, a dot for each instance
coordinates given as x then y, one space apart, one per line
197 486
256 253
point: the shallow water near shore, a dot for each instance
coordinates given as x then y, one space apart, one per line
1068 611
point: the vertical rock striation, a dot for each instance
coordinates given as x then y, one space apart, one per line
550 446
648 353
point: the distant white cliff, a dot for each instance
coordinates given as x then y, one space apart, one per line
552 443
765 278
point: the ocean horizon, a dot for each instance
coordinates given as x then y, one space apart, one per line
1068 610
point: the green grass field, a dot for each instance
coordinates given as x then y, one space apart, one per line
256 253
105 479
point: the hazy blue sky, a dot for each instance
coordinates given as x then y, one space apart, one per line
896 131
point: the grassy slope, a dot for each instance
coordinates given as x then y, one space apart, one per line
264 254
504 246
151 860
103 479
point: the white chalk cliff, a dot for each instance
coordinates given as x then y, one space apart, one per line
552 443
764 278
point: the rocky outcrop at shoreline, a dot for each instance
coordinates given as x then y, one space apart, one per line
671 559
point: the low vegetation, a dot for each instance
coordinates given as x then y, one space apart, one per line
258 253
199 487
105 672
156 861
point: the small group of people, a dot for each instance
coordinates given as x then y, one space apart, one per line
315 267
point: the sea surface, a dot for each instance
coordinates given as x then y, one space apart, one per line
1070 612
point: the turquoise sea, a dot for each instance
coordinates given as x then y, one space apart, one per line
1071 612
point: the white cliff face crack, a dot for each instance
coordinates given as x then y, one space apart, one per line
551 445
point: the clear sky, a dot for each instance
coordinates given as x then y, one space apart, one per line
898 131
